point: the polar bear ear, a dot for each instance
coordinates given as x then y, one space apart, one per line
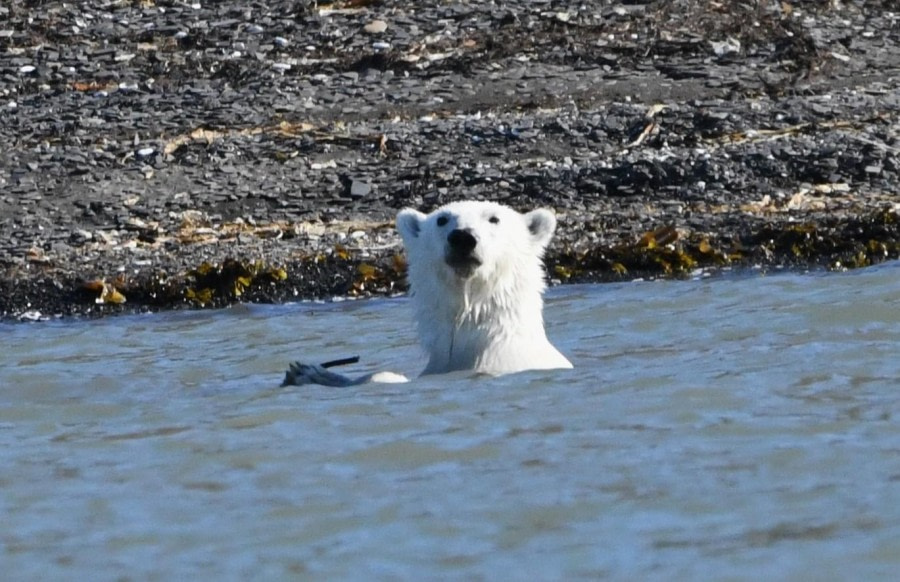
409 223
541 224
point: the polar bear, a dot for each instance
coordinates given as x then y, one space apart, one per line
476 283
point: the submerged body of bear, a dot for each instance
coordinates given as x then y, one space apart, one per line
476 283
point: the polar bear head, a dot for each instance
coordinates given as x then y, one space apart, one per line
476 279
470 239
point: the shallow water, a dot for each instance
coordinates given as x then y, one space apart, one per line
737 428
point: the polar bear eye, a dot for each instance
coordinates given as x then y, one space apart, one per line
442 220
494 220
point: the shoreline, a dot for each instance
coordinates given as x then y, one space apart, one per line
192 156
359 272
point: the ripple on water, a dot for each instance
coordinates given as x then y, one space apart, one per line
726 428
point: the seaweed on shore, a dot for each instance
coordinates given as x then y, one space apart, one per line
664 253
658 253
851 244
211 284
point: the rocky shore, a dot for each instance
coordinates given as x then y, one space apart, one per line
161 154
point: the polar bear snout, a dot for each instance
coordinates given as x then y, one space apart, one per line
462 241
460 253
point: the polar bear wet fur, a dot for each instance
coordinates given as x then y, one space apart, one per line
476 282
477 279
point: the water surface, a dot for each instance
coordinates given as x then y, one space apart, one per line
737 428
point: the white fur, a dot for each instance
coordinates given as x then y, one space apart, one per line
490 321
485 316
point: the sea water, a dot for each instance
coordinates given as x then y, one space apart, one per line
739 428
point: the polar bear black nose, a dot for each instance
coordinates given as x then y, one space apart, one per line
461 241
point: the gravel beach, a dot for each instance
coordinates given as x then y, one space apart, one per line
164 154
